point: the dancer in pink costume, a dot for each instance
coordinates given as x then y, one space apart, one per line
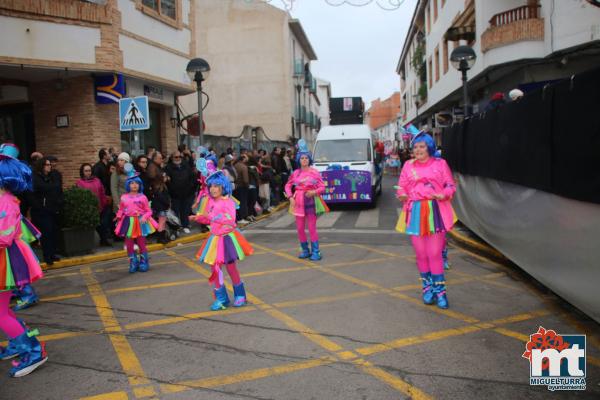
304 189
225 245
135 220
426 187
18 264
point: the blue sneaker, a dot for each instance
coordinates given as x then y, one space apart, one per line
144 262
428 295
439 289
26 297
315 253
221 299
134 263
32 354
305 251
12 350
239 295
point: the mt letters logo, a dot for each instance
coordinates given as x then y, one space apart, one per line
556 361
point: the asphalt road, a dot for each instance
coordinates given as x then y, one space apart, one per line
351 326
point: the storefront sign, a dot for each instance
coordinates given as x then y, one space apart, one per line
109 89
347 186
153 92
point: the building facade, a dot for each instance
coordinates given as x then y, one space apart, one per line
65 63
518 43
261 89
324 94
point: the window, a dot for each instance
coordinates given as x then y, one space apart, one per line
430 72
166 8
428 20
434 10
342 150
443 2
437 63
445 55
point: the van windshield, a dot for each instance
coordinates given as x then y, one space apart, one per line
343 150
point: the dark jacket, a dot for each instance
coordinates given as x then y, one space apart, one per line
183 181
267 175
242 179
101 171
47 193
253 176
161 201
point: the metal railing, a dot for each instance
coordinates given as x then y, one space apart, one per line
516 14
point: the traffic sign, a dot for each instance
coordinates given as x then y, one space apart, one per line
133 113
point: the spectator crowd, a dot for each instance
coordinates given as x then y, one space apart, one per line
170 183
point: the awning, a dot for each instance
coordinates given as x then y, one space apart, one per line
463 27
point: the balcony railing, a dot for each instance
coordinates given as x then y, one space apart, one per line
516 14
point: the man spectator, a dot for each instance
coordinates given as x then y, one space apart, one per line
101 171
155 171
182 185
112 152
150 150
55 171
230 170
242 184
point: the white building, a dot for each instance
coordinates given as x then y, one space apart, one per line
517 42
260 85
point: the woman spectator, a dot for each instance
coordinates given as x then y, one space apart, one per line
254 180
46 203
117 180
94 185
161 202
141 166
265 179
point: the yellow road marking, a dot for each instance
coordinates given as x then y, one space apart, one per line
274 271
129 361
245 376
324 299
155 286
188 317
319 339
289 249
108 396
63 297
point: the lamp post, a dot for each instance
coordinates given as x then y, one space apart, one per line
298 80
198 70
462 59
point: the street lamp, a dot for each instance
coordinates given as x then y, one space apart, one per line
299 81
462 59
198 70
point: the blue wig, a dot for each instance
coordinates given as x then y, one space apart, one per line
15 176
219 179
135 179
427 139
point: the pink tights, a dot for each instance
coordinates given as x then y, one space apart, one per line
141 242
428 250
311 221
233 274
8 320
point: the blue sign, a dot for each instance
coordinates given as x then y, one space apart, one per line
109 89
133 113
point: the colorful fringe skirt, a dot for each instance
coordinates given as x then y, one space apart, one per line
18 263
425 218
133 227
224 249
199 206
315 205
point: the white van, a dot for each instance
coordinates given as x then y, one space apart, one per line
345 156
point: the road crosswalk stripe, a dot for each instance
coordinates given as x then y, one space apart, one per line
368 219
283 222
327 220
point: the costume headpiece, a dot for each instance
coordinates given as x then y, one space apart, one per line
303 151
132 176
15 175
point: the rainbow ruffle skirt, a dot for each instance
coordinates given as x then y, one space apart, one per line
18 263
224 249
424 218
133 227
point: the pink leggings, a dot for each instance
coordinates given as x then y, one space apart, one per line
233 274
8 320
311 221
428 250
141 242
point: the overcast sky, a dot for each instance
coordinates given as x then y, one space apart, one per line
357 46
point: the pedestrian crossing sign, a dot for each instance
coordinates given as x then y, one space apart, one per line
133 113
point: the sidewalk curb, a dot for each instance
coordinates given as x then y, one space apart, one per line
93 258
481 247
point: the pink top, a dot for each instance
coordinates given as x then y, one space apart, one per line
220 215
304 180
95 186
420 181
10 218
134 205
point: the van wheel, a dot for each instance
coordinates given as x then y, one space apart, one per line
380 189
373 202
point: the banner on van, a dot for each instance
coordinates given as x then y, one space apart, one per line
347 186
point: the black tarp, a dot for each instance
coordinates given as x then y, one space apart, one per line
549 140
